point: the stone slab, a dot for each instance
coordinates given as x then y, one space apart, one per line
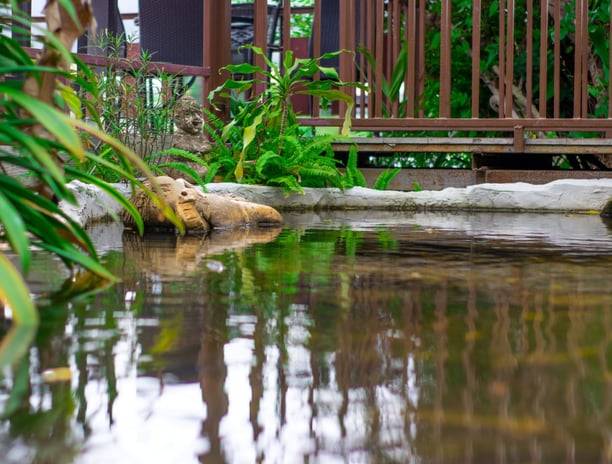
567 195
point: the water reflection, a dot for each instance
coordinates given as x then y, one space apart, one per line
403 339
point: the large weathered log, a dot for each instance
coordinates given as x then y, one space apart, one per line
200 211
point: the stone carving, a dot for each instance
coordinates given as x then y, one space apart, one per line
188 136
200 212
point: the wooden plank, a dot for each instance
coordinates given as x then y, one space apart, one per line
408 125
389 145
438 179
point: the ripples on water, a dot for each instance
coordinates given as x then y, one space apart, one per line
390 338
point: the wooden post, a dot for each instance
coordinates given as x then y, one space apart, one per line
260 20
217 49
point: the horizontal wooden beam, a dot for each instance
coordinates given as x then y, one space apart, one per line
126 63
553 125
390 145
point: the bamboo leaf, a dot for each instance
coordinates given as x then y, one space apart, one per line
37 150
112 192
15 230
72 255
14 292
56 122
132 159
15 345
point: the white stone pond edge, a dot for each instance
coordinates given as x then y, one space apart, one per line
560 196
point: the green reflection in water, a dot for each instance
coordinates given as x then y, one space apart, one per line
387 344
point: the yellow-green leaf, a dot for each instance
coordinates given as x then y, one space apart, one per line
239 171
14 292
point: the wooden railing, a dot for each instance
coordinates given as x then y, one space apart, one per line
550 93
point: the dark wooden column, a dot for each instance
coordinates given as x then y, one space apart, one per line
217 47
24 39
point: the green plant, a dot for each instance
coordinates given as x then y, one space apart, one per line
395 97
41 148
135 107
353 177
159 161
264 142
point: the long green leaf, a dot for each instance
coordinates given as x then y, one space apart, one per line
14 292
185 169
112 192
71 254
334 94
247 138
15 345
47 221
133 159
32 168
37 150
56 122
399 72
15 230
154 193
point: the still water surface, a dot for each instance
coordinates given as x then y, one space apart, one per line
401 338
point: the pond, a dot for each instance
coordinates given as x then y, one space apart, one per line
362 338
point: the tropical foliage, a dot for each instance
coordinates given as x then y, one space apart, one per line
42 147
135 107
264 141
598 67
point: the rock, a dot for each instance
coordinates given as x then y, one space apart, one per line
606 212
200 211
152 216
187 211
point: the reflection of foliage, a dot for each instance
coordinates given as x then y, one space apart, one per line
430 322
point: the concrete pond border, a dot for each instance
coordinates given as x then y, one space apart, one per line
560 196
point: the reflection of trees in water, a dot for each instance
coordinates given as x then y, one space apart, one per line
375 356
212 373
484 361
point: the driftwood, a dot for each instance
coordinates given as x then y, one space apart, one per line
199 212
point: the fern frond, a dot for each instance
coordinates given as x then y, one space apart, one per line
319 145
320 175
290 144
213 169
385 178
289 184
353 177
270 165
